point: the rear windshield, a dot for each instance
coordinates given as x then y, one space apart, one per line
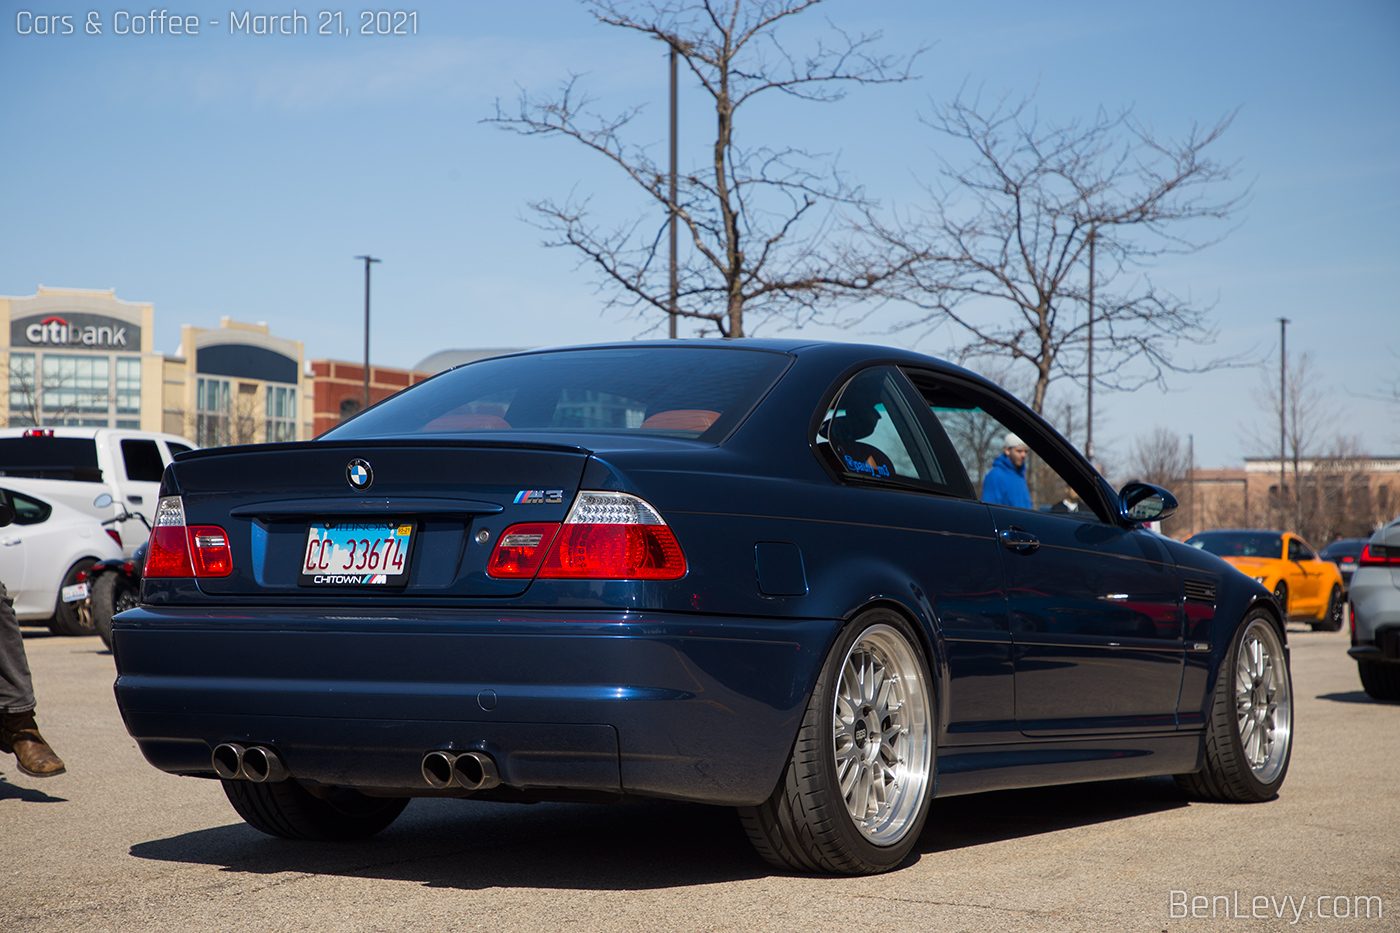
1240 544
693 392
72 458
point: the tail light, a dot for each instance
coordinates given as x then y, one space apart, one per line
1380 555
114 535
606 536
180 550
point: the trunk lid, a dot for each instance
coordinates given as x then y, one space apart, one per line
457 497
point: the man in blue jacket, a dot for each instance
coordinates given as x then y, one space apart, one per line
1005 482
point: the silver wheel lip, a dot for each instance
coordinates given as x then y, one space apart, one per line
896 815
1263 701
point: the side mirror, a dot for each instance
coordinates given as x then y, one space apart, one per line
102 501
7 515
1143 502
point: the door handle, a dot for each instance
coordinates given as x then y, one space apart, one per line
1020 540
134 499
10 541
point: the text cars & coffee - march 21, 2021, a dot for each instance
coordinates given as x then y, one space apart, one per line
162 22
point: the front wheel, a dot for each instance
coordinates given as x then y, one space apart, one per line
285 808
112 593
1336 611
855 794
72 618
1249 738
1281 597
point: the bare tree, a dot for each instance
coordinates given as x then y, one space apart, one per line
1305 415
1160 458
759 222
1002 253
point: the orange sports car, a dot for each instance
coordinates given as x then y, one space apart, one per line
1306 587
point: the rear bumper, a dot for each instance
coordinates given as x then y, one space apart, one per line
667 705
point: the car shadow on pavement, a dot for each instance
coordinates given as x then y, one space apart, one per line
10 791
978 819
639 846
473 844
1357 696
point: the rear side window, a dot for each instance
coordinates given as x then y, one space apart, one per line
27 511
142 460
873 431
41 457
691 392
177 448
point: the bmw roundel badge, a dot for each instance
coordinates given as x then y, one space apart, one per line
359 473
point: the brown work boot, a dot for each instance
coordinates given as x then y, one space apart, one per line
20 734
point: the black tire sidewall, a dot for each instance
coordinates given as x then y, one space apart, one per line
1258 790
851 839
106 593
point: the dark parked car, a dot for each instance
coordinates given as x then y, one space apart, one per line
1344 552
755 574
1375 614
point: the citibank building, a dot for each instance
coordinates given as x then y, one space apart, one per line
81 357
84 358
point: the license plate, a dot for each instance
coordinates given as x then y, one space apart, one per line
71 594
356 554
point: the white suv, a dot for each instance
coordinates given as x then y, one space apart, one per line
76 465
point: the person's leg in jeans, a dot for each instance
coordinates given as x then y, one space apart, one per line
18 731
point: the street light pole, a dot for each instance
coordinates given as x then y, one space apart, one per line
1089 421
675 282
368 260
1282 412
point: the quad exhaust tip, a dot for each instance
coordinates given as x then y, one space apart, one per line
255 763
467 770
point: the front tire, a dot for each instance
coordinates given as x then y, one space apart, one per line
1336 612
286 809
112 593
1249 738
1281 597
855 794
72 618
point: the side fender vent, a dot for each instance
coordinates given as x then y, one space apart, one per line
1200 591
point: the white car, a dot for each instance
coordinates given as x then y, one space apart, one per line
42 551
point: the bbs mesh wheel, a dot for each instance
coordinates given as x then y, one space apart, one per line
855 794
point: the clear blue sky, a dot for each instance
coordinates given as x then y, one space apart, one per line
235 175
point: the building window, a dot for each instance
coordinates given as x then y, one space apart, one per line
211 412
75 390
128 386
281 413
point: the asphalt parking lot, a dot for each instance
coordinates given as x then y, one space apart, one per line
116 845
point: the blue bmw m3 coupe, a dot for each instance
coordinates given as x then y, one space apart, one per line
755 574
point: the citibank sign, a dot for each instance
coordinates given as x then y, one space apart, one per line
76 330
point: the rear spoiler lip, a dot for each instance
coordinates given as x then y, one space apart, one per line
346 506
372 443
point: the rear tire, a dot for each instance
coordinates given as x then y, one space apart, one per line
287 809
1249 738
112 593
1336 612
1380 679
855 794
72 618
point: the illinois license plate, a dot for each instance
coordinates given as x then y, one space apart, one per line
356 554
